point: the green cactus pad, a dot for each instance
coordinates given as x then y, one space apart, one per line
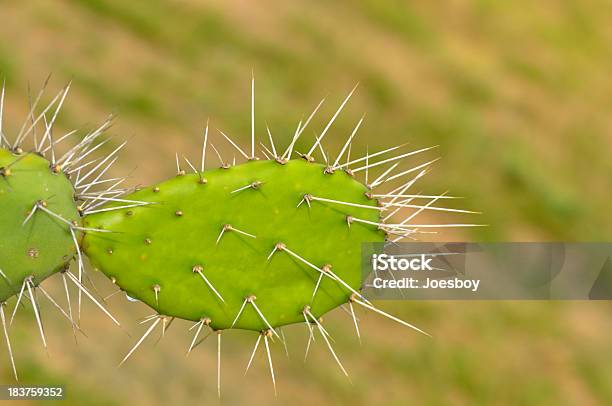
44 244
161 253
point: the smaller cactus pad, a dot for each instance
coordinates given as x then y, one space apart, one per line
215 242
44 244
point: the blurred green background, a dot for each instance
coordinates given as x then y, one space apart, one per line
516 94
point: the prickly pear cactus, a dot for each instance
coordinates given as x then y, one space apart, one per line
211 241
45 188
260 244
33 247
255 246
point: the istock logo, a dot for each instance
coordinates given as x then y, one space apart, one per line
384 262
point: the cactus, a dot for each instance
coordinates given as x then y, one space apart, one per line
36 248
257 245
204 247
43 195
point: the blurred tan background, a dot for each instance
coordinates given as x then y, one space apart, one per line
516 94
